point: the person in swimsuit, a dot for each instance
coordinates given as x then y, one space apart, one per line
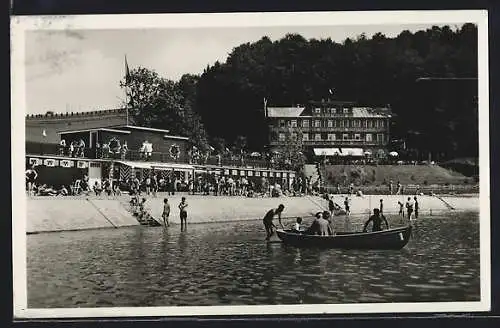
166 212
377 219
416 207
183 212
347 207
268 220
381 206
409 207
31 176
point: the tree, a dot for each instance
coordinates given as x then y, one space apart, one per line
157 102
291 154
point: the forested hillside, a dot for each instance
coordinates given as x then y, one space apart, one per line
224 105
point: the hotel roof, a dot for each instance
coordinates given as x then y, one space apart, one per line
357 112
284 111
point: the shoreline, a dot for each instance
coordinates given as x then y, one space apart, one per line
74 213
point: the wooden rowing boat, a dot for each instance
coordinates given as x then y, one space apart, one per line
396 238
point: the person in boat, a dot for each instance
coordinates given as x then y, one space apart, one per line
268 220
376 219
296 226
320 226
327 216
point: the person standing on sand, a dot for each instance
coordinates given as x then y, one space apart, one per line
400 209
183 212
166 212
381 206
31 176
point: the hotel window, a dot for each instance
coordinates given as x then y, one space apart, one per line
345 136
382 123
294 136
341 124
334 110
317 124
331 136
294 123
365 123
380 137
369 137
335 123
305 136
317 110
330 123
370 123
317 136
281 137
346 110
282 123
305 123
346 123
357 136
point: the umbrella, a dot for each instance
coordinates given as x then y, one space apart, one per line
393 153
255 154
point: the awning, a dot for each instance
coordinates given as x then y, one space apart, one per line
352 151
327 151
170 166
137 165
156 165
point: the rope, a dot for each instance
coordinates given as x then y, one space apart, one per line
98 210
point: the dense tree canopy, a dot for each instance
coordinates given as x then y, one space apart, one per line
438 116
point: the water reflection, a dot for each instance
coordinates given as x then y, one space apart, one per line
215 264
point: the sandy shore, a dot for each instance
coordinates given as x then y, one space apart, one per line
46 214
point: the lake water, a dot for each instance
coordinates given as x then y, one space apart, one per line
231 264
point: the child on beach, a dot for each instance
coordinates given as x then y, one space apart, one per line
166 212
347 207
183 212
400 208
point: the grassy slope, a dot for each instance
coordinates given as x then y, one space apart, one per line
376 175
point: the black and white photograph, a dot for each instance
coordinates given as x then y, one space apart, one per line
250 163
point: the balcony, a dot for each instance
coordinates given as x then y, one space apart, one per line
34 148
337 143
334 129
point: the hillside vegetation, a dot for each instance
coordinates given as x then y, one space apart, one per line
382 174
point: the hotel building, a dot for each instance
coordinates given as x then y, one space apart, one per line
330 128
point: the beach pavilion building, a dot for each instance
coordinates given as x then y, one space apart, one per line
102 144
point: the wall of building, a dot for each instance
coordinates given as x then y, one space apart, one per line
160 144
53 123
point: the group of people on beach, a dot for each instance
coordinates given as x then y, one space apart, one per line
143 213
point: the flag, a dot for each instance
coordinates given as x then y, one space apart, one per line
127 71
331 91
265 107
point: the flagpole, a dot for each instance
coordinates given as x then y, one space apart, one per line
127 79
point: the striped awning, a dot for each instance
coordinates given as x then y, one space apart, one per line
327 151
